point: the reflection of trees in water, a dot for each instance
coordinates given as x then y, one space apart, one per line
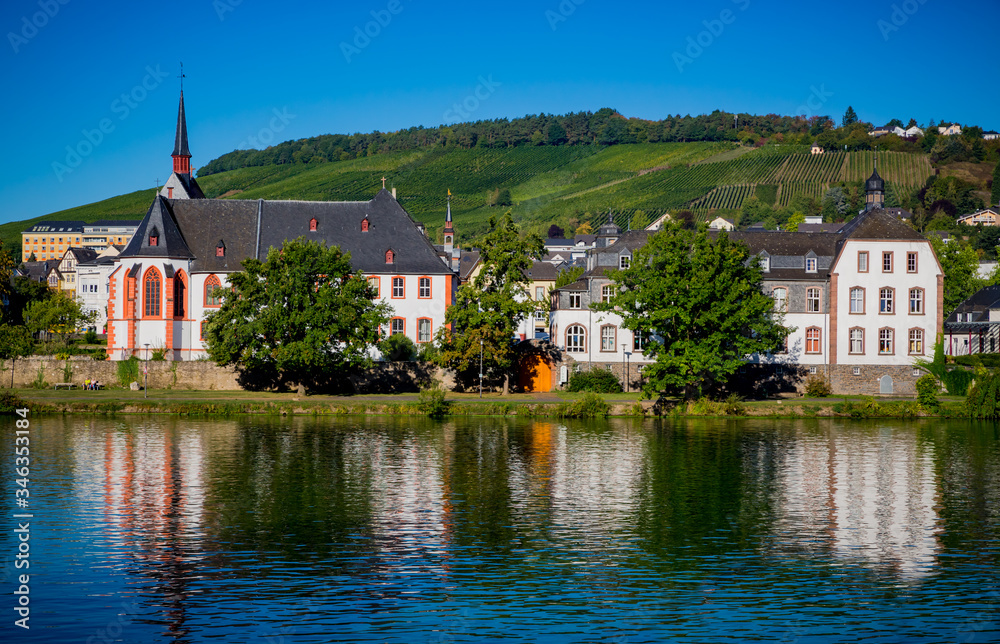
968 464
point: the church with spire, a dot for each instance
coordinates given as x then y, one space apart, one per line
165 281
182 184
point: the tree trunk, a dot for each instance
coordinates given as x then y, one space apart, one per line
506 384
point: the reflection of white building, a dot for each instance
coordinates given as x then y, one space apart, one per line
866 495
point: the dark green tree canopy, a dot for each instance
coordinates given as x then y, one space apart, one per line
300 317
487 312
701 302
850 117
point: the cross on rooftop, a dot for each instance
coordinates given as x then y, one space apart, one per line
383 183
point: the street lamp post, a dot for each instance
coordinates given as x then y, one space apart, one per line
626 354
145 373
480 367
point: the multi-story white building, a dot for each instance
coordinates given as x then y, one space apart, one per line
165 280
863 303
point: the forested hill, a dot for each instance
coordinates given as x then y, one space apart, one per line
575 182
604 127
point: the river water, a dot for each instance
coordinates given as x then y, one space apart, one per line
477 530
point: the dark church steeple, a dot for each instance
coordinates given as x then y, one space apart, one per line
875 190
181 154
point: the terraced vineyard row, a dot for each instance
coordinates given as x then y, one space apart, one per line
910 170
725 198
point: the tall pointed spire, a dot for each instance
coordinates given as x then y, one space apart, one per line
449 230
181 154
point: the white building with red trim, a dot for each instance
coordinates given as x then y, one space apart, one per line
164 280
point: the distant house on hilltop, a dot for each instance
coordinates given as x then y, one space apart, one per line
984 217
816 149
950 130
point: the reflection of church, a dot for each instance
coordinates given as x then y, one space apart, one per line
866 496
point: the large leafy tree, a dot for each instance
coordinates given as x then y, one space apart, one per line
58 314
701 303
302 317
15 342
7 266
960 264
486 313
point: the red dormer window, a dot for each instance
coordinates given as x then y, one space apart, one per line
364 225
154 240
390 257
220 250
313 224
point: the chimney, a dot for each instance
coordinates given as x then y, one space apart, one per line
394 193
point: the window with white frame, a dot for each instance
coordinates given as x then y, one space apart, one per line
916 341
423 330
607 292
811 264
638 341
608 337
539 293
812 300
885 340
576 338
857 340
624 261
885 300
857 300
916 301
424 287
780 295
575 300
911 262
398 287
887 262
398 325
765 263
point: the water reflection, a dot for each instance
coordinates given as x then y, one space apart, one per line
865 493
394 529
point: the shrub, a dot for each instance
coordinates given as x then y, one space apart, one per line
10 401
39 381
957 381
398 348
988 360
927 389
818 387
733 406
590 406
128 371
983 400
159 355
433 403
90 337
595 380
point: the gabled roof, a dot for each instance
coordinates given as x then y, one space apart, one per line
468 263
190 186
979 302
35 271
206 221
542 271
159 221
879 224
81 254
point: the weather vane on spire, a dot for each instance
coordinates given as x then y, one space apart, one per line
182 76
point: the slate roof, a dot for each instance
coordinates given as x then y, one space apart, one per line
82 255
194 228
57 227
115 222
339 222
879 224
468 264
159 221
181 139
979 302
191 186
875 182
36 271
542 271
820 228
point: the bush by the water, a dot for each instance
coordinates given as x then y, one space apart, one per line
128 371
984 398
433 403
927 390
596 380
957 381
10 401
590 406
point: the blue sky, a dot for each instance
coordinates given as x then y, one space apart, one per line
70 67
